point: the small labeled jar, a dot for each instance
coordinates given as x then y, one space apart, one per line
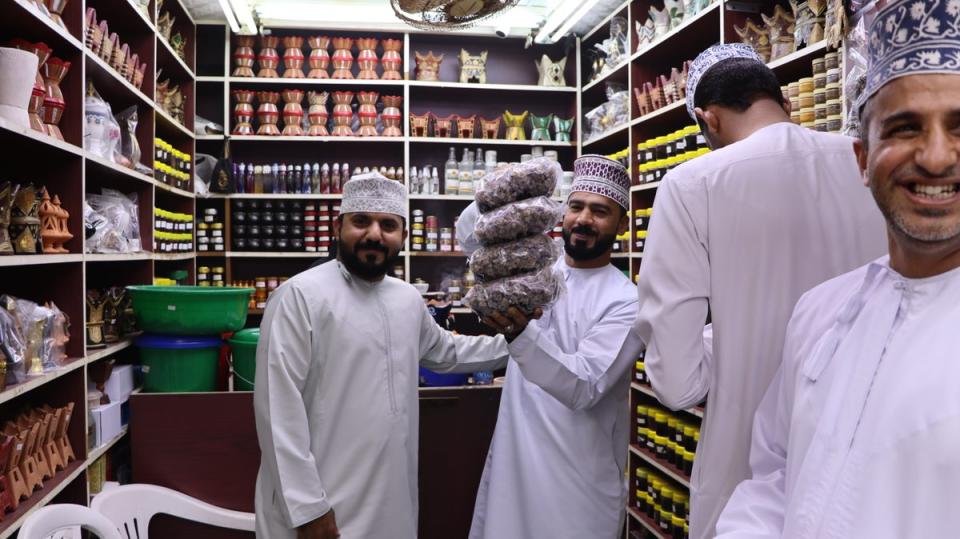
820 97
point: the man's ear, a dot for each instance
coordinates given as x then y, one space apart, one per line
860 149
710 119
337 223
624 222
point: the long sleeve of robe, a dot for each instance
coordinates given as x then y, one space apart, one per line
743 231
556 463
859 436
336 401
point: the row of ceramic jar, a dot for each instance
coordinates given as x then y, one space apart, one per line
657 421
210 237
655 171
679 142
620 242
168 221
319 59
816 102
106 45
210 276
426 234
170 176
667 507
46 104
641 218
283 178
268 114
458 126
166 154
172 242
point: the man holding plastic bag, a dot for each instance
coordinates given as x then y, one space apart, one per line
556 464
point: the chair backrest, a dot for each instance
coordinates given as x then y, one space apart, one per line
130 508
61 520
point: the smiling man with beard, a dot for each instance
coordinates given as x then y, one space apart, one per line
336 387
556 464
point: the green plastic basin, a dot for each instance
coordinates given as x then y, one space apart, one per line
243 345
174 364
189 310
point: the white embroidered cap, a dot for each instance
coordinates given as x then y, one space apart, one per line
711 57
373 193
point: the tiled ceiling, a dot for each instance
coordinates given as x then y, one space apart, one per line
209 10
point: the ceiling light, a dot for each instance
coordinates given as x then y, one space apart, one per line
228 13
244 16
557 18
574 19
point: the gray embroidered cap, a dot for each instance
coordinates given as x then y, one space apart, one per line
911 37
602 176
711 57
373 193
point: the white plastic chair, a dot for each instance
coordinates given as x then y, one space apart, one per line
130 508
62 520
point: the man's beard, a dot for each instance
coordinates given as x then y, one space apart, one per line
579 251
365 269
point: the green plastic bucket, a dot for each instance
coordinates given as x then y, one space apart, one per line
244 348
178 364
190 310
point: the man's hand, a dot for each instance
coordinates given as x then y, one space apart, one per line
511 323
324 527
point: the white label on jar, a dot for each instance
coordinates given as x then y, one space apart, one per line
701 141
432 235
446 247
203 247
453 289
217 277
217 233
417 246
218 240
311 249
208 218
417 232
218 247
418 219
446 236
323 229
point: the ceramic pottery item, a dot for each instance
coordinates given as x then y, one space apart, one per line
466 126
342 58
367 58
293 57
25 220
342 114
243 57
269 58
514 123
317 114
243 112
268 114
473 68
367 114
428 67
319 57
392 59
420 124
563 129
292 112
443 127
490 129
541 127
392 116
551 73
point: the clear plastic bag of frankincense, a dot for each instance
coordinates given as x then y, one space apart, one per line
535 178
517 220
525 255
527 292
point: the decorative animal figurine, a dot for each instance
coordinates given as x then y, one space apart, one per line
466 125
514 124
781 29
420 124
756 37
473 67
646 33
654 94
541 127
563 129
428 67
551 73
661 21
643 101
443 127
676 11
490 128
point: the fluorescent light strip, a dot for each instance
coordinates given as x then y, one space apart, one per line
228 13
574 19
556 19
244 15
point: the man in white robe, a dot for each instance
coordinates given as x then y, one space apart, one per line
557 460
336 385
859 435
742 231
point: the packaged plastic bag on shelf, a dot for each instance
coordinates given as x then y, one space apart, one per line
12 343
128 151
101 132
525 255
527 292
114 219
537 177
518 220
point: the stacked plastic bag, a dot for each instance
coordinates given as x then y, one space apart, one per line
514 266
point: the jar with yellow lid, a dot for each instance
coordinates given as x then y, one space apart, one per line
688 462
640 241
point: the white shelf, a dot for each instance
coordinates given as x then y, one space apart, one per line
606 20
100 451
461 310
442 197
653 461
649 392
49 23
618 130
636 255
800 55
715 6
174 190
277 196
268 254
644 187
492 142
143 16
174 256
204 78
660 112
508 87
34 382
171 122
313 82
110 165
118 257
607 75
39 259
103 66
99 353
280 138
36 136
642 519
176 57
211 137
620 255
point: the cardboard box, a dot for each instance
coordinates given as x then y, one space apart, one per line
120 384
107 423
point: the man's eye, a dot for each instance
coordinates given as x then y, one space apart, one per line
903 130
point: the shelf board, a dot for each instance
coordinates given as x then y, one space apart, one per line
442 197
142 15
211 137
313 82
507 87
439 254
661 112
207 78
174 256
644 186
171 122
182 65
665 468
175 190
99 353
647 390
461 310
100 451
112 167
606 20
618 130
114 78
266 138
35 136
803 54
117 257
211 254
619 255
34 382
492 142
39 259
636 255
274 254
687 23
646 523
620 67
282 196
41 498
33 18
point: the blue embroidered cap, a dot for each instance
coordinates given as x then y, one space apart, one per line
711 57
602 176
912 37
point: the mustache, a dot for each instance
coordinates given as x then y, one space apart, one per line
915 172
371 245
584 230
